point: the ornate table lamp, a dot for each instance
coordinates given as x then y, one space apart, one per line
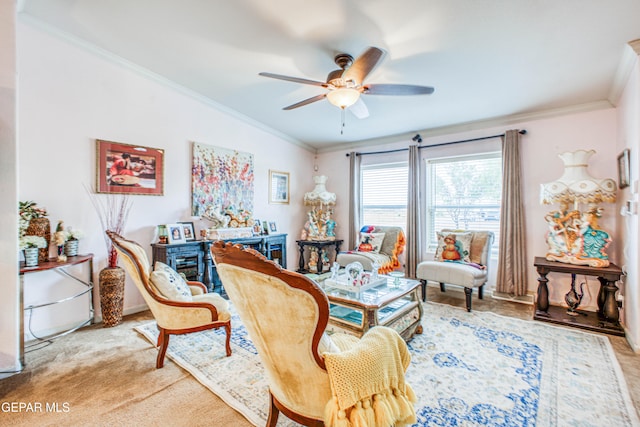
319 225
574 237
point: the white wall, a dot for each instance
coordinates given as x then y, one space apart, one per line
71 96
10 312
629 227
545 139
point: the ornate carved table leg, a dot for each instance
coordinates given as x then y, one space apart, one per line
301 260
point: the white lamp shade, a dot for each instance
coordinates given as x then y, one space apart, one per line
343 97
320 195
576 185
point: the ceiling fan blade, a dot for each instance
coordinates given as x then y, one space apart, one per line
363 65
293 79
397 89
306 101
359 109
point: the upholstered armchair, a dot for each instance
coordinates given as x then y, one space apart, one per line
285 314
195 312
383 245
462 258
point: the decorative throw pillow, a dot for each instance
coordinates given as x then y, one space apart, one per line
169 283
453 246
370 242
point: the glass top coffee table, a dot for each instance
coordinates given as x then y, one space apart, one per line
395 304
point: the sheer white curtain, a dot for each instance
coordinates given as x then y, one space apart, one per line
512 259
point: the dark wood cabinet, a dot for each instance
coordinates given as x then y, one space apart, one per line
194 258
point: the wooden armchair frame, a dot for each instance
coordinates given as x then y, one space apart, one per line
163 308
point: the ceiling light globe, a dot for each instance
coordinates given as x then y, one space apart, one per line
343 97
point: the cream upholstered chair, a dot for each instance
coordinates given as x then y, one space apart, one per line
386 253
472 274
286 314
204 311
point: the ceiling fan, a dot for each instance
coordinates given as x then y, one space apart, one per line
346 84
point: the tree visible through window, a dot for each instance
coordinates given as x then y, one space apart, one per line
464 193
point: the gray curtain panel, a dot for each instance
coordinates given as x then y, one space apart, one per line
354 199
414 214
512 259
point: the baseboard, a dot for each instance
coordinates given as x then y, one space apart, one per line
523 299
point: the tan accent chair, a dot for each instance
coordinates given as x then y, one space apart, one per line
286 315
173 317
388 258
465 275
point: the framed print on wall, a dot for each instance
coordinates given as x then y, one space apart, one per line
129 169
623 169
188 231
175 232
278 187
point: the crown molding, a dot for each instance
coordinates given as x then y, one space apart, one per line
629 57
148 74
473 126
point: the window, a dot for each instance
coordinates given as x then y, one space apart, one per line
464 193
384 194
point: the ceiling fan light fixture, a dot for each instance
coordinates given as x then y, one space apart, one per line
343 97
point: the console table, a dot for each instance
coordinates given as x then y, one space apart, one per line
194 258
606 319
59 267
318 245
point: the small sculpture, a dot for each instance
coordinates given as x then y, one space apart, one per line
334 271
313 260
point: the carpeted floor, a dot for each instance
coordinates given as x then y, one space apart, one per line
107 377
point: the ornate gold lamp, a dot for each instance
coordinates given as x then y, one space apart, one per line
574 236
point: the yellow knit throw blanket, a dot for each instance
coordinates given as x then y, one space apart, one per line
367 383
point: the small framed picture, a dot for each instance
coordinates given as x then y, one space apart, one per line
188 231
273 228
257 227
175 233
623 169
278 187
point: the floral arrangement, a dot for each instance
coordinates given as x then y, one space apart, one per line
32 242
74 234
113 212
29 210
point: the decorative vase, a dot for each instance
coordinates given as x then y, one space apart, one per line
31 257
71 247
40 227
111 282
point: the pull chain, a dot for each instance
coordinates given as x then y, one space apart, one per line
342 116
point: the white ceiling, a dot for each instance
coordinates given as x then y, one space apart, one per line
487 59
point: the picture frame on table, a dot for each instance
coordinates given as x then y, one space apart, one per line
257 227
189 231
278 187
129 169
623 169
175 233
273 227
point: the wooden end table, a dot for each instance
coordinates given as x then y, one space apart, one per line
606 319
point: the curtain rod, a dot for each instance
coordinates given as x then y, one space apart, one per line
521 132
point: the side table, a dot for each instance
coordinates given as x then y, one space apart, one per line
320 246
606 319
86 288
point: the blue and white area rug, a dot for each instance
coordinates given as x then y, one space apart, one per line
467 369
